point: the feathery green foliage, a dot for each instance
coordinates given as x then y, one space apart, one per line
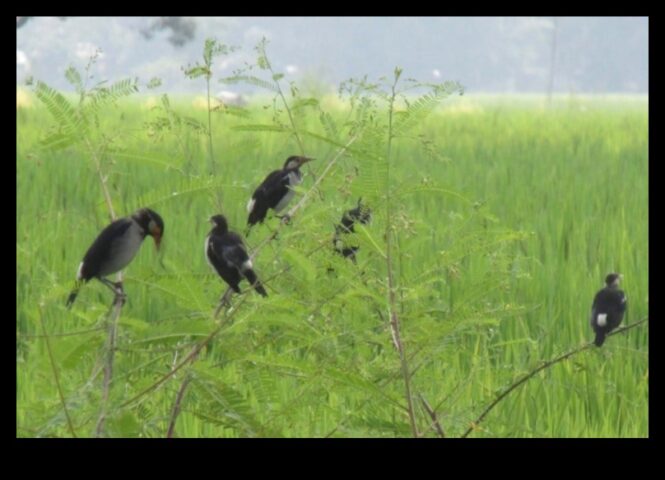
499 241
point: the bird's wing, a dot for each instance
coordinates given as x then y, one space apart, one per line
275 185
229 249
100 249
272 181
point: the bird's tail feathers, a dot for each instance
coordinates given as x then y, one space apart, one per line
600 339
74 293
253 279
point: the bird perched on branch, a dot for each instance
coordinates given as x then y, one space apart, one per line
360 214
608 308
276 190
226 254
115 247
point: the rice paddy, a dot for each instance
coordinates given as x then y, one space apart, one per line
508 214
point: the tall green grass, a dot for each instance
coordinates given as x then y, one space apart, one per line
561 194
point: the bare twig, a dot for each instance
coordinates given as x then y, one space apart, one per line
392 301
55 374
432 414
286 104
112 321
116 306
176 406
212 158
533 372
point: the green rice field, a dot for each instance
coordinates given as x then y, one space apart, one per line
505 214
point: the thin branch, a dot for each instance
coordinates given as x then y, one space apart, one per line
176 406
102 180
392 300
55 374
286 106
533 372
432 414
213 167
118 302
212 158
116 307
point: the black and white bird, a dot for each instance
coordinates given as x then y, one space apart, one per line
227 256
276 190
361 214
115 247
608 308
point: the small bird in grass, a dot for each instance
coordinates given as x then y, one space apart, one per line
115 247
226 254
360 214
608 308
275 192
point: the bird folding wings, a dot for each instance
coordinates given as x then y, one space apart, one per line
230 250
103 246
275 183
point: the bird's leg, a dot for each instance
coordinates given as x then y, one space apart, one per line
110 284
116 287
225 299
286 218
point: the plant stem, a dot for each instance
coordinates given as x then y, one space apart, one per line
115 308
176 406
430 411
55 374
288 110
213 168
392 302
212 158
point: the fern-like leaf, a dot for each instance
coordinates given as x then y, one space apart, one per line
423 106
63 113
257 82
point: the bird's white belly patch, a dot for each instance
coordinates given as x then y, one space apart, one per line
284 201
79 274
250 205
123 251
294 179
602 319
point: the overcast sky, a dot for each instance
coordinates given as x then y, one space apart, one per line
485 54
